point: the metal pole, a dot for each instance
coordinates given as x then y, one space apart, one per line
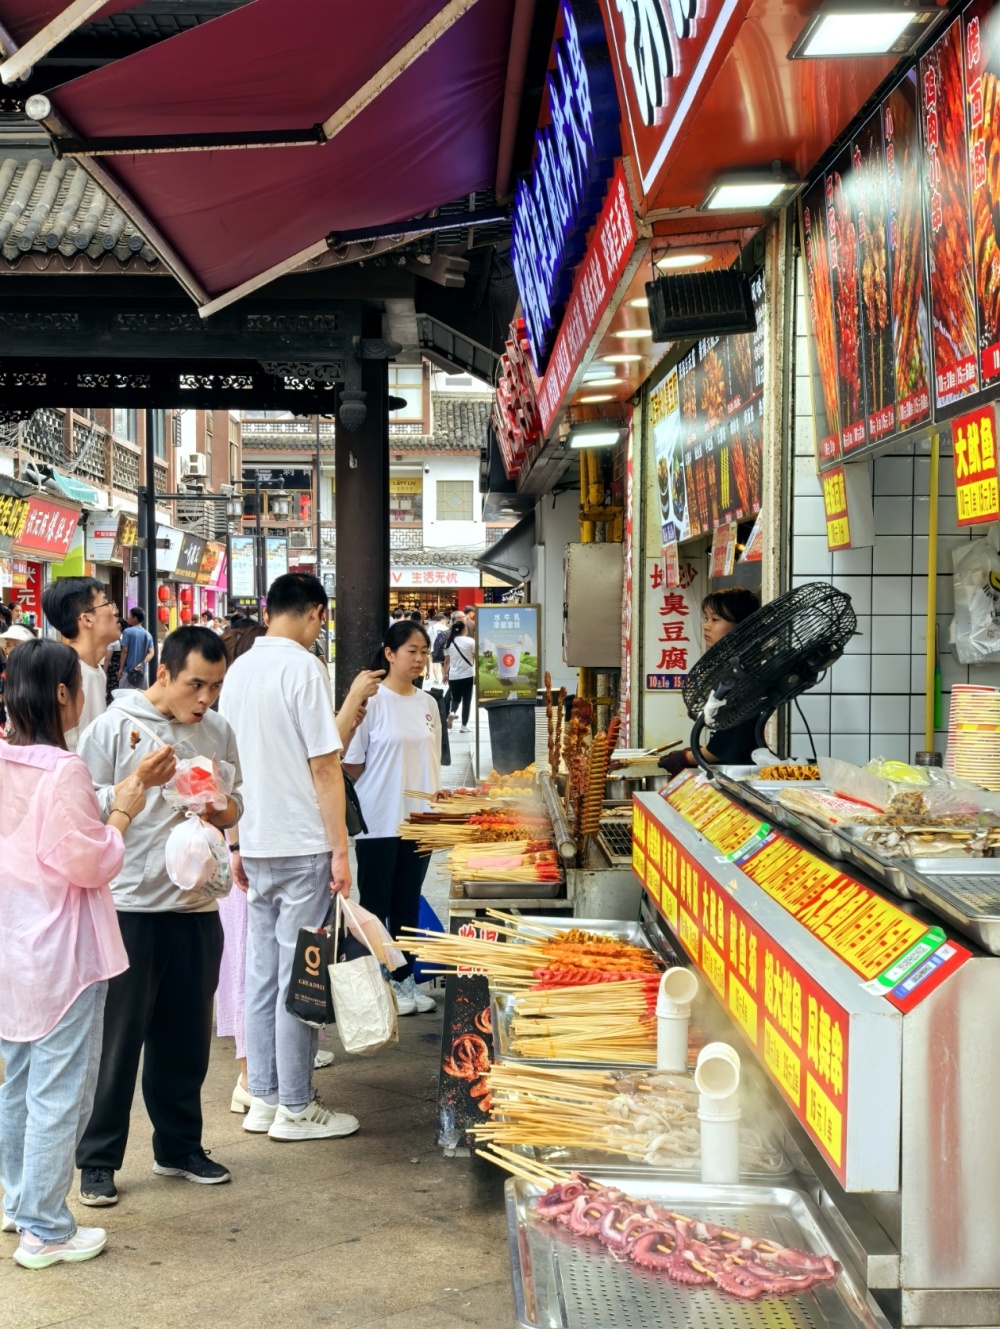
319 534
259 543
150 497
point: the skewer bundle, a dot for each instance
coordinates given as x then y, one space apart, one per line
518 861
609 1022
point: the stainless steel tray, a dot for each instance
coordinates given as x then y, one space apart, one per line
753 794
510 890
566 1282
503 1006
620 929
891 872
824 838
965 891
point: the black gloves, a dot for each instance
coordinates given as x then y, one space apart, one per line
674 762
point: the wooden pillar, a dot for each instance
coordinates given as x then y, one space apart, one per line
362 518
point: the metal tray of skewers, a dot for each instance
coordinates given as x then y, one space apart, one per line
965 891
505 890
503 1007
567 1281
540 927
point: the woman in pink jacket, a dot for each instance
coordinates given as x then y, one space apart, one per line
59 945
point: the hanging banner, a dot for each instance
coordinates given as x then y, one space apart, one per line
668 453
822 342
671 622
869 188
845 269
628 534
723 551
974 457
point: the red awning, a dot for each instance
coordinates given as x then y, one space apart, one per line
428 138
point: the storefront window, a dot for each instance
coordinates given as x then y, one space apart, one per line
123 425
407 381
406 502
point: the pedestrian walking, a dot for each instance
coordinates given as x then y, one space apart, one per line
460 671
59 945
396 747
80 611
138 650
161 1008
291 854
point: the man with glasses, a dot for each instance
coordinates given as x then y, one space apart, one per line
80 611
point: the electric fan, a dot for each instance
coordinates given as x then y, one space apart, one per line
770 658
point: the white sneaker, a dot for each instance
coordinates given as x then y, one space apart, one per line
420 1000
260 1116
465 729
323 1059
8 1225
405 1002
314 1123
241 1099
85 1243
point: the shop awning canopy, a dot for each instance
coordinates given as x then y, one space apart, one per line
509 560
385 111
69 487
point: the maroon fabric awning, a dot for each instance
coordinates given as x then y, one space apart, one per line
430 137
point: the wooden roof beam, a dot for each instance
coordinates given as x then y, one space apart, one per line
20 59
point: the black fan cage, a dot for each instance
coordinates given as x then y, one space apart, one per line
772 656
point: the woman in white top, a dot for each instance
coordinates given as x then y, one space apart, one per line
396 747
459 671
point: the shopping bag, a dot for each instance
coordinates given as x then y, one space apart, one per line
308 997
363 1002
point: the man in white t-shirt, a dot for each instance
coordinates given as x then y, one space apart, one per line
80 611
291 850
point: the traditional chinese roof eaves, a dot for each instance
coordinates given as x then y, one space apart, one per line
460 421
431 558
52 208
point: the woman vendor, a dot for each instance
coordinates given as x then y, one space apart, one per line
721 611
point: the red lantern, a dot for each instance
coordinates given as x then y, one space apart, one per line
163 614
163 594
185 615
185 594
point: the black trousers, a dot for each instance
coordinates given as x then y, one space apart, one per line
161 1007
390 877
461 691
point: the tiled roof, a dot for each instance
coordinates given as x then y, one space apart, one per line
52 207
460 423
433 558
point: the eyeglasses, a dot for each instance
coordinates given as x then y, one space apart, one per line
104 604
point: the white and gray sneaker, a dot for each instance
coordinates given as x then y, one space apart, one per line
421 1001
405 1002
260 1116
315 1122
84 1244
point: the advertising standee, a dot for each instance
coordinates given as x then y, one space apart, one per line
507 654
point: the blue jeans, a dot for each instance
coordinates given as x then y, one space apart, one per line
285 894
45 1103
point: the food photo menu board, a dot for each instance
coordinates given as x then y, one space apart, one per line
707 427
901 240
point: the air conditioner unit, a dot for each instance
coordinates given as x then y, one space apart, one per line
194 464
299 540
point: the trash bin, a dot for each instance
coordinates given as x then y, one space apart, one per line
512 733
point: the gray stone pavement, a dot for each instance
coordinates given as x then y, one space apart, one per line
378 1231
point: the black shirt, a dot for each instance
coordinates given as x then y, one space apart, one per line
733 747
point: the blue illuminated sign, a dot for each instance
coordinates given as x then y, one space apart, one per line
557 204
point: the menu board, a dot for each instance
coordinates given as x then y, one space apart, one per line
842 242
869 190
707 425
982 74
946 172
822 343
910 319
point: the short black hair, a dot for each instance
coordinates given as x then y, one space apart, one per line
64 602
137 613
191 641
416 616
34 672
734 605
296 593
398 612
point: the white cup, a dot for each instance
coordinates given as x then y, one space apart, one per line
508 661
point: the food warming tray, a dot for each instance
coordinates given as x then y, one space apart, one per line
566 1282
619 928
965 891
506 890
504 1006
891 872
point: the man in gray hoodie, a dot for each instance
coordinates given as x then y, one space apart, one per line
162 1005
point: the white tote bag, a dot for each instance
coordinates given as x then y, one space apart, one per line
363 1001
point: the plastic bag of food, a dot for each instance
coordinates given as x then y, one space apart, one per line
372 932
197 858
976 627
896 772
200 785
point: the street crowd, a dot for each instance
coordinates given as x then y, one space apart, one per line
105 959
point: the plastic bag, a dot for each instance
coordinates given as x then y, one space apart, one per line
362 999
197 858
977 599
200 785
372 932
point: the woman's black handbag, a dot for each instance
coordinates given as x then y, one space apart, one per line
356 824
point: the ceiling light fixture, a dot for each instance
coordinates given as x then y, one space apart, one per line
641 303
599 373
621 359
845 29
595 434
628 333
675 262
593 400
739 191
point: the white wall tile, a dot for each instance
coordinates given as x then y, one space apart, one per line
850 747
811 557
891 595
946 595
891 747
816 709
850 715
891 673
891 715
987 676
918 595
852 562
860 591
917 715
920 515
952 671
804 478
891 634
861 642
894 516
801 749
918 634
920 555
917 668
922 476
851 673
893 475
893 554
808 517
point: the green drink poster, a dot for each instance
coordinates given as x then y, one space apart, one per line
507 656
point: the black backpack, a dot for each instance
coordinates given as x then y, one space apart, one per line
437 650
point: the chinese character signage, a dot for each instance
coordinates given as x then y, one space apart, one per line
557 204
210 560
439 578
102 533
515 418
672 626
48 529
507 651
13 516
838 527
974 455
723 551
189 556
847 506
